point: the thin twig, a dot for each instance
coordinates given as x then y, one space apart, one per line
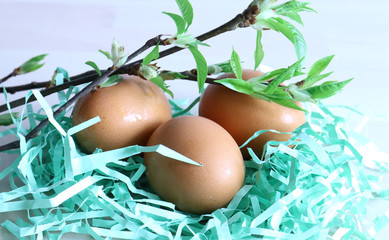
74 81
12 74
45 92
28 86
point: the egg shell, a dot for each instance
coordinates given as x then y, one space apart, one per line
193 188
243 115
129 111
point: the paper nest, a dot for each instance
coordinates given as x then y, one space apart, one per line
321 189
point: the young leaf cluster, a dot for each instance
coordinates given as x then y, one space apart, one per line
184 40
118 58
184 20
276 17
150 72
31 65
271 85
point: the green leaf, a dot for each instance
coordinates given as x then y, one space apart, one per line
293 7
186 11
235 64
267 76
272 75
278 93
161 83
107 54
154 54
198 42
288 103
37 58
278 96
202 68
294 16
291 32
112 81
179 21
6 118
326 89
224 67
258 87
258 54
238 85
94 66
296 38
283 76
319 66
26 68
300 95
308 82
31 65
284 99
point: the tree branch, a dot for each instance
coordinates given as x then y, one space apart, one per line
79 79
28 86
12 74
241 20
74 81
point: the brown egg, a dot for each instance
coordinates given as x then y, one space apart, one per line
243 115
129 111
193 188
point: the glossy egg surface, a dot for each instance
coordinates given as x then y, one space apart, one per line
243 115
193 188
129 111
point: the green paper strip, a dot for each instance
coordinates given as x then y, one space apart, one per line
49 112
51 202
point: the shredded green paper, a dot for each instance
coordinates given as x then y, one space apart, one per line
320 189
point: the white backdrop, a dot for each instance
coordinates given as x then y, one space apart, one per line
72 32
